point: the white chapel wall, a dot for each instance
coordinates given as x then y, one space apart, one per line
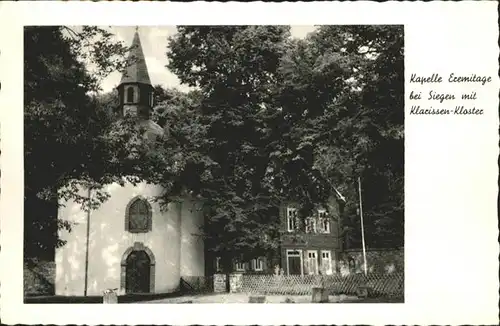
70 259
109 240
192 244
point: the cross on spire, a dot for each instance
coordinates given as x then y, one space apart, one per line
137 28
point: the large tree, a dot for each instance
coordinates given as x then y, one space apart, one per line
272 119
245 167
283 119
70 136
362 125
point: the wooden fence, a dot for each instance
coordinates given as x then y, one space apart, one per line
383 285
391 285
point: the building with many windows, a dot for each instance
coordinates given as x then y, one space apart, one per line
312 246
308 246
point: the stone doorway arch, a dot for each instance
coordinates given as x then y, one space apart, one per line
138 270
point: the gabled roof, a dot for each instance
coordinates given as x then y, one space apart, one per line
137 70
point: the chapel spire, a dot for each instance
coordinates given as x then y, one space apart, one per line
135 88
137 70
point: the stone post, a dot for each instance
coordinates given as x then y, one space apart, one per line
219 283
319 295
109 296
235 282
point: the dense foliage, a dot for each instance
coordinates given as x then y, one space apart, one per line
272 119
366 130
70 136
287 119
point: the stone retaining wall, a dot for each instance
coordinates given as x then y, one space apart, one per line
39 277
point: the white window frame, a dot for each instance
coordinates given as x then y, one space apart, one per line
133 95
291 221
239 267
218 266
288 251
315 252
324 220
329 259
258 264
311 225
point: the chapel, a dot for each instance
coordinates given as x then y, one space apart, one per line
129 243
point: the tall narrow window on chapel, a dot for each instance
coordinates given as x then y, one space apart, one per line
130 95
138 218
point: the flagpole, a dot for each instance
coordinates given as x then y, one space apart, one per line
362 227
87 245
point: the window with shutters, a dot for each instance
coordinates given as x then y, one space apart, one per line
258 264
291 216
326 262
130 95
311 225
239 266
312 262
324 221
138 216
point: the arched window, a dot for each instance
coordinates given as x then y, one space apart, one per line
130 95
138 216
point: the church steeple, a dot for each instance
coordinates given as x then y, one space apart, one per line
135 88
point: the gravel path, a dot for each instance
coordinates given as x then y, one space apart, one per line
243 298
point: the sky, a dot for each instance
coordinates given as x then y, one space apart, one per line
154 44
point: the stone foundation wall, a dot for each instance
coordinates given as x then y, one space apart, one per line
380 261
39 277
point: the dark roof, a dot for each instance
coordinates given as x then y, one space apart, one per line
137 70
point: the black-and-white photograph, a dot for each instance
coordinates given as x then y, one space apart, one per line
214 164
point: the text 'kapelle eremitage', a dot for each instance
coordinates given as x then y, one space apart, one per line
452 78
